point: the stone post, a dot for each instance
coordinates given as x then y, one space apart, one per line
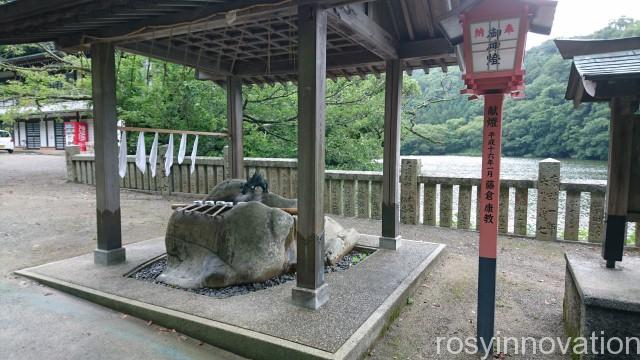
548 192
429 204
227 162
69 152
164 181
596 217
522 205
464 206
409 192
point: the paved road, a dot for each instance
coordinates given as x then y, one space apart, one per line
43 219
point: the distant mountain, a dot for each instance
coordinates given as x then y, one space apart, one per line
541 125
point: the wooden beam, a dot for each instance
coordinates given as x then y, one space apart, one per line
207 18
234 126
109 235
391 163
29 8
425 49
311 290
362 59
179 23
407 19
161 51
356 25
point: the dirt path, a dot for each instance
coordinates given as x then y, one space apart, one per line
43 218
529 296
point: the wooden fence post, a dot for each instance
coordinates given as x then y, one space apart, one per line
548 193
409 192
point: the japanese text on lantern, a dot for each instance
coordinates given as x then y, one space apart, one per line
490 180
493 44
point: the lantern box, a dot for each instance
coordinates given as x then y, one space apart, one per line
491 37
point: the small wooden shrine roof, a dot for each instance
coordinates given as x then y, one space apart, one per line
252 39
602 69
621 64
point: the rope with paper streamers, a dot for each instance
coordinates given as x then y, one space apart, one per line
141 154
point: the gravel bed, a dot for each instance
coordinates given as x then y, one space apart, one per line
153 270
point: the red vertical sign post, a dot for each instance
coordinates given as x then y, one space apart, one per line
493 34
489 197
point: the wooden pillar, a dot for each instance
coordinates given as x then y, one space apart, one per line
391 238
234 126
110 250
620 146
311 290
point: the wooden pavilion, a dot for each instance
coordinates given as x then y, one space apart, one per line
235 42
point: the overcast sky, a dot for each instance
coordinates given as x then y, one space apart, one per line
582 17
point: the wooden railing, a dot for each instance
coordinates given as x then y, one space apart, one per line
527 207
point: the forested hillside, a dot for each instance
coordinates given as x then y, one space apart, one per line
541 125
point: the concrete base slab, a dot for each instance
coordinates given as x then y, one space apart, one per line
265 324
390 243
109 257
602 302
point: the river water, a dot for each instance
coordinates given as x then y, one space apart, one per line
577 171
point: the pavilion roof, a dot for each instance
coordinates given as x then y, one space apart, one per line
253 39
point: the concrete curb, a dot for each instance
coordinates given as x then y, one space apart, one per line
360 342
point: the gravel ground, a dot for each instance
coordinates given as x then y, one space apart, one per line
153 270
44 219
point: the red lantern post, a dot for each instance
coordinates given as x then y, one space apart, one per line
493 33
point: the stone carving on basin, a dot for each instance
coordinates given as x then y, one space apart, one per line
241 233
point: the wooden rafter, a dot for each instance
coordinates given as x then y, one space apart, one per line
356 25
